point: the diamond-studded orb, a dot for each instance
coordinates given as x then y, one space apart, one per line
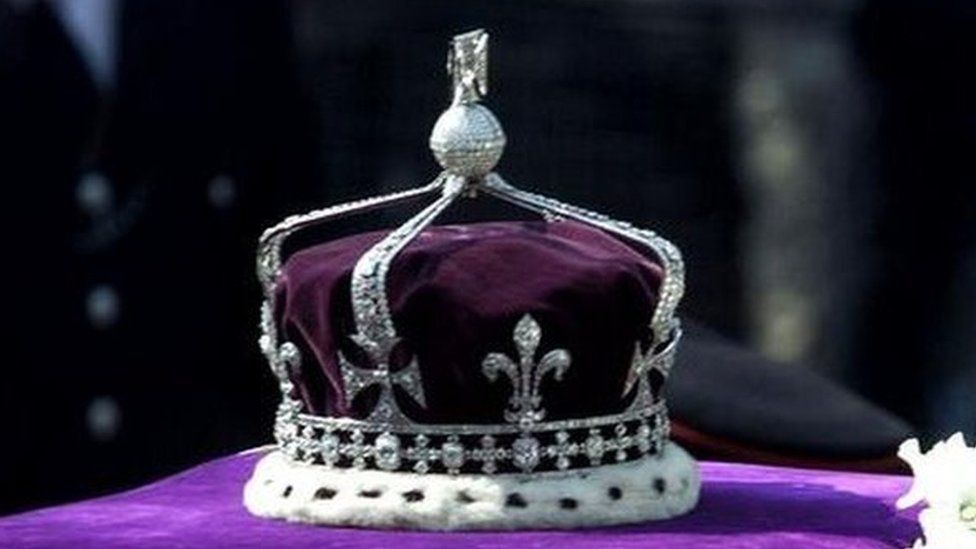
467 140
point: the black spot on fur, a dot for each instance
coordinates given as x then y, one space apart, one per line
413 496
516 500
324 493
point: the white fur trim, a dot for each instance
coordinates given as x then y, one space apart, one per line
611 494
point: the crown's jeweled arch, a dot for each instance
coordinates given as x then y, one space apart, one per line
467 140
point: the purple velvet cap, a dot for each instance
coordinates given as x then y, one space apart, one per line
456 292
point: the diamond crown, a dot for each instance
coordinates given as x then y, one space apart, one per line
467 141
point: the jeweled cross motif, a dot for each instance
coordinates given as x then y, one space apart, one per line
467 63
642 363
563 450
525 404
356 380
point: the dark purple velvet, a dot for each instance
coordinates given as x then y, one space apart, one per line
456 294
742 506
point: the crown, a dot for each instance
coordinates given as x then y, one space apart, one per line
489 375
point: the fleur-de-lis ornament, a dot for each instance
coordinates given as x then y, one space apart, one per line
525 404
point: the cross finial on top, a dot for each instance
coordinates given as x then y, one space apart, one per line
467 63
467 139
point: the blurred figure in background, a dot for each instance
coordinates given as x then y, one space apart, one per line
144 145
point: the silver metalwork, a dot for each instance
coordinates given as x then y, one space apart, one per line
376 334
467 64
643 363
489 449
526 376
512 446
468 141
672 288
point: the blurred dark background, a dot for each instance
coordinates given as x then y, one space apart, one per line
812 159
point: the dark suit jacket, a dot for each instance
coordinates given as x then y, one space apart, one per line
204 141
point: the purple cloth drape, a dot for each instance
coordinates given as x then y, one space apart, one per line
741 506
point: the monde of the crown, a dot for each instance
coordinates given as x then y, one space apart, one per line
467 140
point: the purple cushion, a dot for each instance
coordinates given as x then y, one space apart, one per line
741 506
456 294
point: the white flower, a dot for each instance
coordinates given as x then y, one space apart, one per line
945 479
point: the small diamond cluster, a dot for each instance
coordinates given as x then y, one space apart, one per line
573 444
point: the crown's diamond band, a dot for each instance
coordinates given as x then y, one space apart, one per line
489 449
